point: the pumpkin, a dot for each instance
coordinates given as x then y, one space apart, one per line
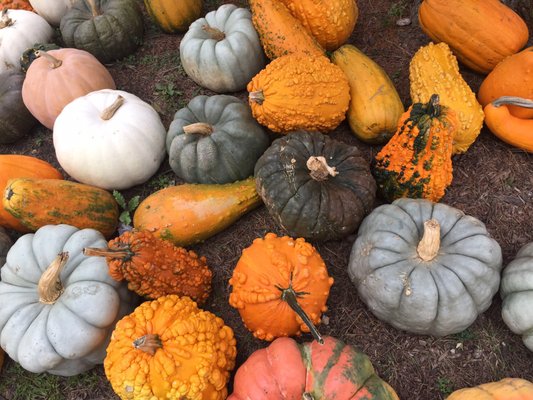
110 139
287 96
15 119
508 127
16 5
315 187
51 11
20 29
280 287
505 389
29 55
375 106
215 140
516 290
280 32
511 77
434 69
222 51
58 307
5 245
154 267
425 267
190 213
68 74
417 160
480 33
19 166
170 349
108 29
330 22
34 202
289 370
174 16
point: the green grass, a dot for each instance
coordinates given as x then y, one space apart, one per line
444 385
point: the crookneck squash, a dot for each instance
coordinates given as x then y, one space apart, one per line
417 160
174 16
505 389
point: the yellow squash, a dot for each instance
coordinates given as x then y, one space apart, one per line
174 16
505 389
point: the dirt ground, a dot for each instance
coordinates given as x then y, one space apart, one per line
492 181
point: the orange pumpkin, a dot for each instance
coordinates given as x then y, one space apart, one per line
174 16
505 389
16 5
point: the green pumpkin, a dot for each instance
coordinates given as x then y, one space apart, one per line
215 140
108 29
315 187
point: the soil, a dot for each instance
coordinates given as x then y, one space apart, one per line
492 182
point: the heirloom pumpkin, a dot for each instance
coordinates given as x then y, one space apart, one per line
170 349
315 187
51 11
16 5
110 139
505 389
425 267
5 245
174 16
58 307
215 140
288 370
280 287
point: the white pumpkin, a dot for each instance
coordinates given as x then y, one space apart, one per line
222 51
59 307
109 145
51 10
20 30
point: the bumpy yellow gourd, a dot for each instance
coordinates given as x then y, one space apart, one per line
434 69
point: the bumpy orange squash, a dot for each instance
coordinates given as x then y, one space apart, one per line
16 5
506 389
174 16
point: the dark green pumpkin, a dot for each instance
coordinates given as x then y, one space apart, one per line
29 54
221 147
315 187
5 245
108 29
15 119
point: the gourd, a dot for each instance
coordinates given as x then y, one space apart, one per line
315 187
280 287
34 202
280 32
516 290
174 16
480 33
425 267
375 106
15 119
434 69
51 11
16 5
222 51
58 307
511 77
215 139
69 74
20 29
287 96
190 213
505 389
110 139
20 166
108 29
5 245
170 349
416 162
154 267
289 370
330 22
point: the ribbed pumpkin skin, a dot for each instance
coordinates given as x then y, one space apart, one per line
434 69
34 202
506 389
330 22
174 16
375 106
299 92
481 33
18 166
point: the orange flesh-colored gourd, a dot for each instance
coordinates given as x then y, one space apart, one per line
505 389
20 166
174 16
16 5
267 271
155 267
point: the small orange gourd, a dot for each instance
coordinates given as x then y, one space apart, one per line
505 389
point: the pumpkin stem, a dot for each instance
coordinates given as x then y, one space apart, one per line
50 286
319 168
124 254
94 10
54 62
307 396
201 128
214 33
433 105
108 113
257 97
429 245
5 21
512 100
148 343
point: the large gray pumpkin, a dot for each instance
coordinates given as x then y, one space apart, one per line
424 267
222 51
215 140
517 294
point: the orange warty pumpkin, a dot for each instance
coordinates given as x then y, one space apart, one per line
506 389
16 5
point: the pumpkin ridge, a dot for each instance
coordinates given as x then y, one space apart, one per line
318 381
460 280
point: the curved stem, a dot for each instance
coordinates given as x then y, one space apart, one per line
433 106
148 343
214 33
123 254
257 97
94 10
319 169
429 245
201 128
54 62
112 109
50 286
514 101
